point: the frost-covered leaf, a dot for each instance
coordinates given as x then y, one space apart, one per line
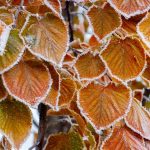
143 29
54 5
130 8
45 40
6 16
3 92
27 2
65 141
104 20
123 138
103 105
89 66
67 91
138 119
15 121
29 81
125 58
53 95
146 73
13 51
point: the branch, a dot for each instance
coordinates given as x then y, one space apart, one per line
68 4
42 126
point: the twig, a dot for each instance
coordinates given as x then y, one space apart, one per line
42 126
68 3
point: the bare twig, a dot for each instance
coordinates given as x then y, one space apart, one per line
42 126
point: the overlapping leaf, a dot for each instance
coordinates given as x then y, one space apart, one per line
52 97
67 91
123 138
103 105
125 58
104 20
3 92
27 2
146 73
89 66
143 29
45 40
54 5
12 52
6 16
28 81
65 141
138 119
130 8
15 121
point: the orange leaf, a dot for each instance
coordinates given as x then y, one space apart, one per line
138 119
29 81
125 58
130 8
3 92
77 117
123 138
15 121
65 141
104 105
146 73
89 66
27 2
143 29
105 20
45 40
67 91
54 5
53 96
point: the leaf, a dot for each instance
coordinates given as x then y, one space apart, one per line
65 141
130 24
45 40
6 16
123 138
143 29
102 106
138 119
53 96
54 5
3 92
15 121
130 8
32 80
125 58
13 52
105 20
27 2
89 66
67 91
146 73
64 111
